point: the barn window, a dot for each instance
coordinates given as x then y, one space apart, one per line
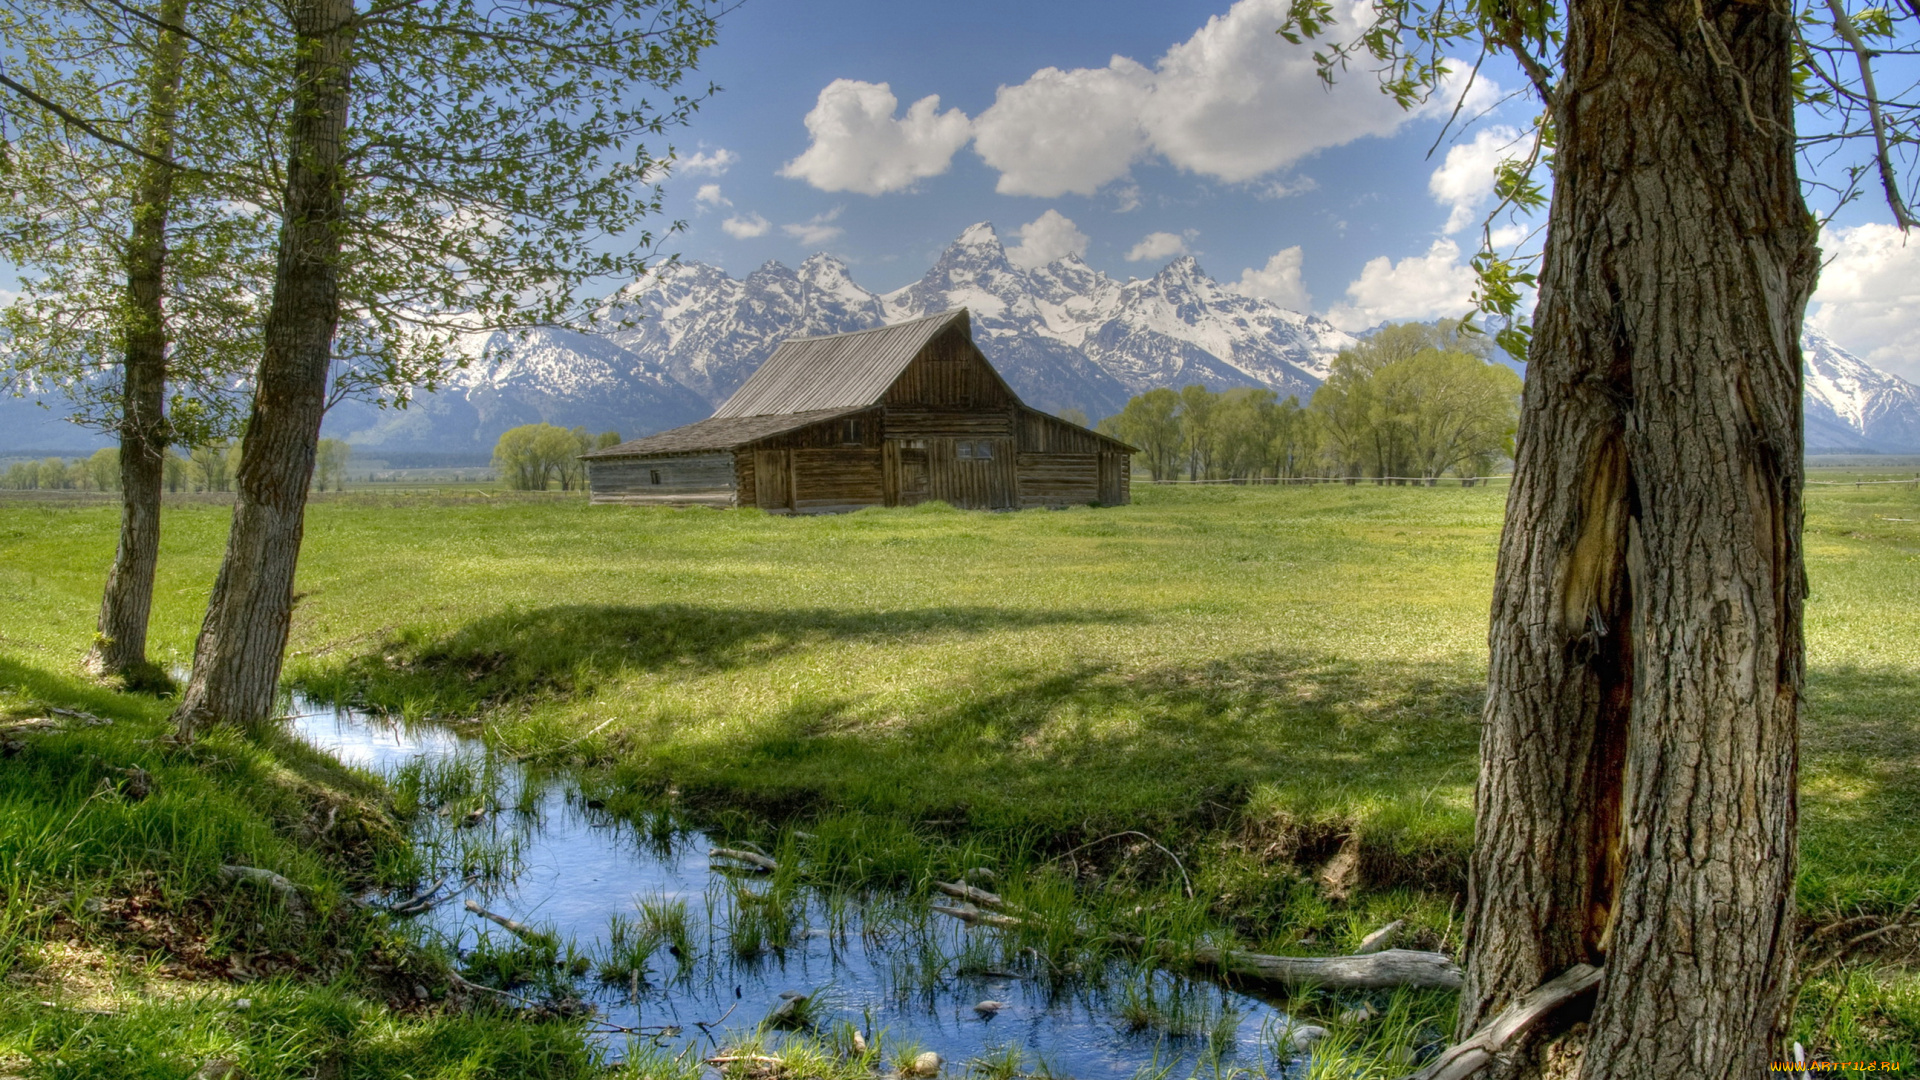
914 444
851 434
983 451
963 449
653 476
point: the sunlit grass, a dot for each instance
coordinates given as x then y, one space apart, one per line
1251 677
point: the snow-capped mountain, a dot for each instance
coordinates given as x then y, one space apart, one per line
552 375
1064 335
1851 406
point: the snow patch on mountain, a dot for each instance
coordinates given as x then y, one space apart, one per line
1063 334
1851 405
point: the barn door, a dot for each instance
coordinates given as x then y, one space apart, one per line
1113 479
913 475
999 470
773 479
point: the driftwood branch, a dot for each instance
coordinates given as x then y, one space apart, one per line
758 862
267 879
1380 938
973 916
518 929
970 894
1467 1058
1376 971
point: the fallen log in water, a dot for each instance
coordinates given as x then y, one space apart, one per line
758 862
1381 970
518 929
1477 1052
973 916
1375 971
970 894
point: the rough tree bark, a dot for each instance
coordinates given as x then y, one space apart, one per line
1636 807
236 661
120 648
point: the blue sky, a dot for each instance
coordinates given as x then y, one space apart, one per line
1130 132
878 131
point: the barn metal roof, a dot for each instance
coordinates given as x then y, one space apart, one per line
843 371
718 433
806 381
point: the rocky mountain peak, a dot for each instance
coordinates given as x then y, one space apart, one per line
980 234
1064 335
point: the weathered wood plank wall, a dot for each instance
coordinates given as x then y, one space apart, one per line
948 429
834 481
681 480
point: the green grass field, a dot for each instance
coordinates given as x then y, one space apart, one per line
1253 676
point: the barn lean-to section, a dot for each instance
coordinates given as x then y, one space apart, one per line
889 417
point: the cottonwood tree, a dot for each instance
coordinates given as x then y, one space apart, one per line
1151 421
532 456
140 278
1636 806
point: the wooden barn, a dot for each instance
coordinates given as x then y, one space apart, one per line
888 417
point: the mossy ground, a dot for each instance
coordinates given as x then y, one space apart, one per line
1255 678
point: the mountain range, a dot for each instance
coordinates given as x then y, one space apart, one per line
1065 336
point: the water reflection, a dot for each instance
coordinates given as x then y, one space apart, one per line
671 952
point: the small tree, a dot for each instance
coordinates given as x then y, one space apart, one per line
532 456
176 473
140 280
1151 421
573 471
213 467
103 469
446 166
330 464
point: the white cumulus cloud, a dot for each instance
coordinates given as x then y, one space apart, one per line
1050 236
1236 101
1233 102
1868 299
705 164
745 227
709 196
1278 281
816 230
1158 245
859 145
1065 131
1464 181
1417 287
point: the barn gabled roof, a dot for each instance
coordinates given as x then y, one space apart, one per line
844 371
810 380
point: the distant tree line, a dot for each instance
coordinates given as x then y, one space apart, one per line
1411 402
203 468
532 457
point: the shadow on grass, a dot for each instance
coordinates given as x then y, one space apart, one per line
1288 753
562 651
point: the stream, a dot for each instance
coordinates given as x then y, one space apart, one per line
878 962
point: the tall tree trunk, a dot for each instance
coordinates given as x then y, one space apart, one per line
236 662
1636 806
120 648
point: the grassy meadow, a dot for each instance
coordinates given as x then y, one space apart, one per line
1259 679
